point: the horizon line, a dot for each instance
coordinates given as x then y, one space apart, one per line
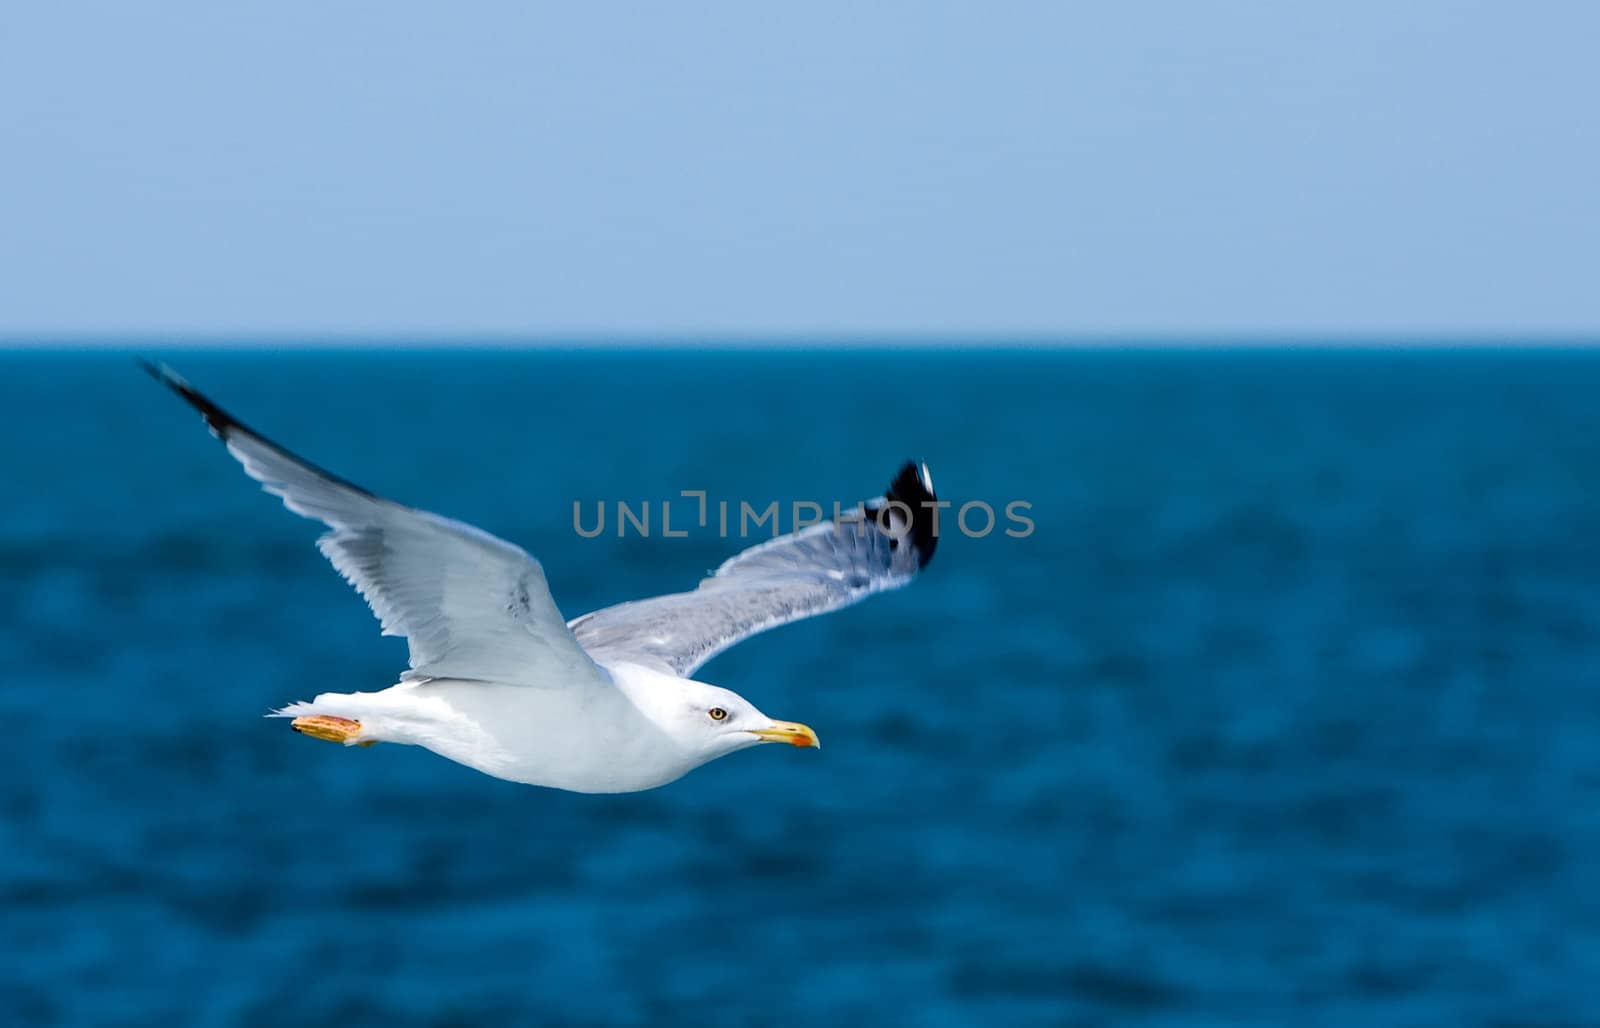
790 341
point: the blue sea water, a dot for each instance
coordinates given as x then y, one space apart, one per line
1286 712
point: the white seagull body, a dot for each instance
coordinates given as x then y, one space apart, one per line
501 682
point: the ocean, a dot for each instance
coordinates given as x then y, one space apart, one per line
1284 711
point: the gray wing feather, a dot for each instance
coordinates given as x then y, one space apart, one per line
821 568
469 604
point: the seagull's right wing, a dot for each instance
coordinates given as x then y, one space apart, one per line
818 569
471 605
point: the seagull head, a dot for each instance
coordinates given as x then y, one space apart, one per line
711 722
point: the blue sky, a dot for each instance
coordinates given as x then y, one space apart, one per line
525 170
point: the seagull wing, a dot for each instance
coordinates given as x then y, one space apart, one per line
813 571
471 605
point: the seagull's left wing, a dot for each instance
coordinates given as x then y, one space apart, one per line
818 569
471 605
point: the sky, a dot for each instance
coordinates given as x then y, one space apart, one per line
1071 171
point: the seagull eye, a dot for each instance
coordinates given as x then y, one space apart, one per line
717 713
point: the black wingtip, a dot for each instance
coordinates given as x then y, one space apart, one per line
229 429
217 419
913 486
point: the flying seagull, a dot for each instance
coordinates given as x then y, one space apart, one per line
501 682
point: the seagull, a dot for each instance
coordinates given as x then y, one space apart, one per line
501 682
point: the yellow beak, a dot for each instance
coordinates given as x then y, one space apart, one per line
789 732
